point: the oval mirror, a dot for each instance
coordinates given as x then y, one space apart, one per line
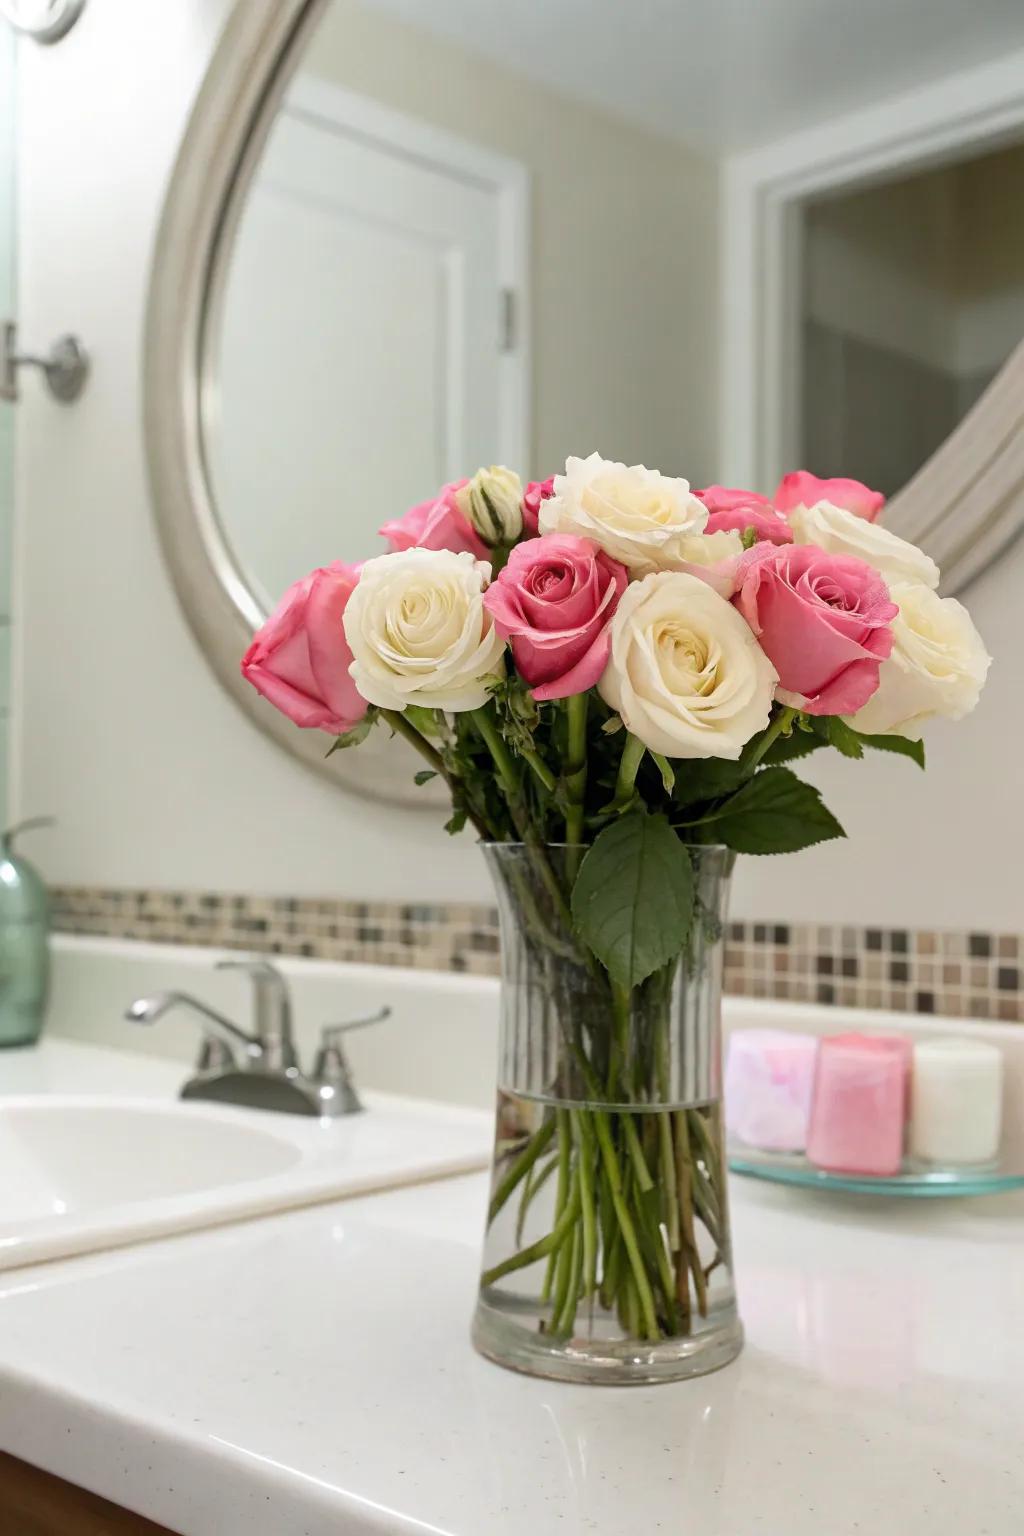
348 279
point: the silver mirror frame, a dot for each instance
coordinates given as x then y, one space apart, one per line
256 55
965 506
49 28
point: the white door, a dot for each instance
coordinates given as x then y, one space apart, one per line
363 346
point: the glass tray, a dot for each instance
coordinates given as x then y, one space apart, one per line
914 1179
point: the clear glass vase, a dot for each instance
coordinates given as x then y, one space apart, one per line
607 1255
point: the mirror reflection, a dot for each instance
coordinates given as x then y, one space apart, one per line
473 236
912 300
457 263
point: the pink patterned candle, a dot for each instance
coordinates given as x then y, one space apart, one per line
859 1106
768 1083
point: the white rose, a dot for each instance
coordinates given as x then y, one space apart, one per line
937 667
493 503
636 515
844 533
419 632
712 557
685 672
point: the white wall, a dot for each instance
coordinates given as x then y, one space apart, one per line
122 732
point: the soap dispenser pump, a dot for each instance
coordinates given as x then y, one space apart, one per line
24 941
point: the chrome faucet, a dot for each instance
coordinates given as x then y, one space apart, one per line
261 1070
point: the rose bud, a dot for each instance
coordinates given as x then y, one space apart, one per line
493 503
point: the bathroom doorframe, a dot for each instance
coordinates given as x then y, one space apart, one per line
762 192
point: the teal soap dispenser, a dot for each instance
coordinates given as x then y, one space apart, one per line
24 942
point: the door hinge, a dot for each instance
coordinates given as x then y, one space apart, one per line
507 321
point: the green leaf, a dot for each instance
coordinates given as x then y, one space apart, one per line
424 776
775 813
357 734
707 778
901 744
786 749
457 821
844 738
633 898
612 724
666 770
425 720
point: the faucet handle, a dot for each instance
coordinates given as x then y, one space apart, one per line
272 1011
331 1071
331 1034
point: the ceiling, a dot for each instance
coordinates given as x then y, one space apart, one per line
726 74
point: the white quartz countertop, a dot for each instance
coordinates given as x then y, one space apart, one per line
310 1374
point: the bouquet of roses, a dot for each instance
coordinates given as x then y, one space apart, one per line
615 673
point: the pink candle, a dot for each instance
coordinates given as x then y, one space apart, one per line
859 1106
768 1081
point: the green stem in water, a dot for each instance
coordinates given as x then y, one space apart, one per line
561 1190
626 1226
565 1315
541 1248
521 1167
585 1164
531 1189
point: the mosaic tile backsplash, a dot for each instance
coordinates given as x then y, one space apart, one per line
978 975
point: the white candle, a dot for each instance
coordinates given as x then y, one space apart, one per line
956 1101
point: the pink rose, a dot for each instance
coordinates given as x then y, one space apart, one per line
436 524
299 659
536 492
730 509
724 498
822 620
554 601
801 489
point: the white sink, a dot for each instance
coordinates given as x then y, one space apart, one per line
84 1172
74 1157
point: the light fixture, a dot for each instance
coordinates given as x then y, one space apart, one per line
45 20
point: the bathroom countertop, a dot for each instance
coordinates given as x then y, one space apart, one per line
310 1374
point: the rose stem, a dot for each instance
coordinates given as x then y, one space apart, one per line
561 1192
403 727
575 779
684 1170
540 768
783 720
625 1220
531 1190
521 1167
622 1016
629 767
512 791
585 1166
541 1248
667 1158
